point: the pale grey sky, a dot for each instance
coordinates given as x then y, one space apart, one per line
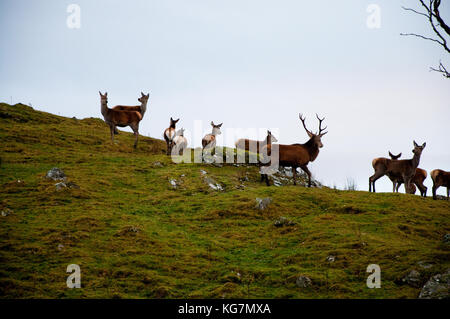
248 64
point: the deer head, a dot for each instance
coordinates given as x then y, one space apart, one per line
103 97
271 138
216 128
180 132
144 98
173 122
418 149
394 157
315 138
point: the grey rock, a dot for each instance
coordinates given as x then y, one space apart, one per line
60 247
213 184
263 203
446 239
59 186
303 282
56 174
438 287
412 279
6 212
203 172
283 221
173 183
158 164
331 258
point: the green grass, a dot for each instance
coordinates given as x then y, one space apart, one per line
191 242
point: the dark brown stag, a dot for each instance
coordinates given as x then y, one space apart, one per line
440 178
295 155
116 118
404 168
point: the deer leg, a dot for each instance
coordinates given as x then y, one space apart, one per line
373 179
434 191
111 129
267 179
294 174
306 170
116 131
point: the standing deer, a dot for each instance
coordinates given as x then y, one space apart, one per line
418 178
116 118
249 145
440 178
180 142
404 168
169 134
140 108
297 155
209 140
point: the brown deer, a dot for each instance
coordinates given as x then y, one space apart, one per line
440 178
116 118
179 142
404 168
169 134
296 155
417 180
140 108
255 146
209 140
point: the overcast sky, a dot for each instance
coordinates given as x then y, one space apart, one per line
248 64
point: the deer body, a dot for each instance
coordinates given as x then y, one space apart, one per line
180 142
209 140
297 155
116 118
396 168
169 135
255 146
139 108
440 178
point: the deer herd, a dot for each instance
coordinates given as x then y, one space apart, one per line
399 171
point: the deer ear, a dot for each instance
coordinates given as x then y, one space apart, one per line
212 123
220 125
100 93
142 94
415 144
424 144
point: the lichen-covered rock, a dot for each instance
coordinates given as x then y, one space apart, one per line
263 203
283 221
438 287
303 282
59 186
412 278
56 174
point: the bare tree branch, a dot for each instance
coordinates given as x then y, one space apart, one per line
434 18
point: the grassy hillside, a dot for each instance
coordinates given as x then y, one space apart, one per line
136 236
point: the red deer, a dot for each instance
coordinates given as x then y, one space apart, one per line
255 146
120 118
140 108
297 155
404 168
209 140
440 178
417 180
180 142
169 134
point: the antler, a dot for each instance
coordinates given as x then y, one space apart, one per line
303 122
320 126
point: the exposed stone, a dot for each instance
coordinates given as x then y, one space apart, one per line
56 174
263 203
331 258
6 212
424 265
173 183
59 186
412 279
303 282
60 247
203 172
213 184
158 164
438 287
283 221
446 239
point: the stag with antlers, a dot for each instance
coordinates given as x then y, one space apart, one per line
295 155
